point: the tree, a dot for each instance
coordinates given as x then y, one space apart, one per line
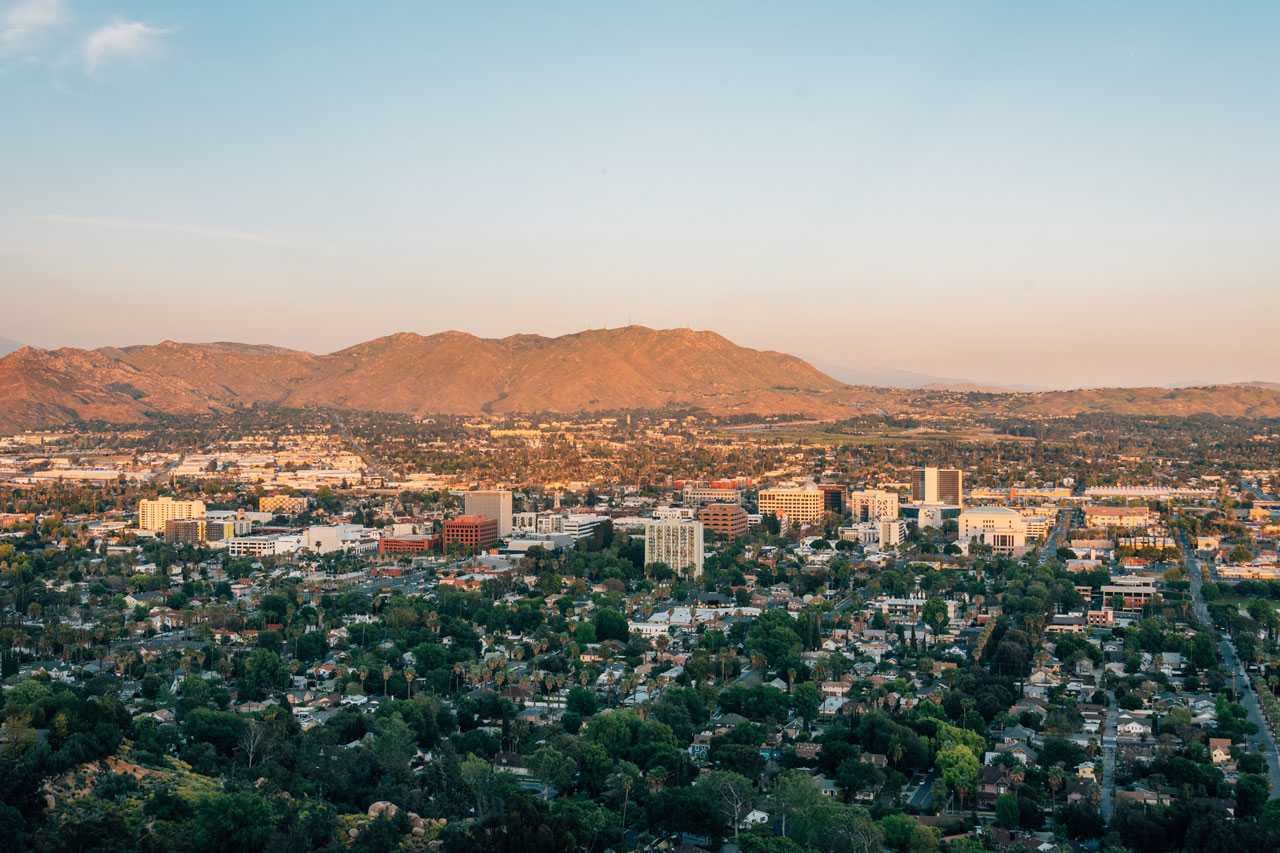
806 700
231 823
959 770
906 834
1007 811
731 794
553 768
935 615
264 671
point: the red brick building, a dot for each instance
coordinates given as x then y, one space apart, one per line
470 532
412 544
729 520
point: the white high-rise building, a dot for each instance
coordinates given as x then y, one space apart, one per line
495 504
678 544
154 514
938 486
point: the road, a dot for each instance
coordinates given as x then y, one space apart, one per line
1263 741
1060 529
1109 757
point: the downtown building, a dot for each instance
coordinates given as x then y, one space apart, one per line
678 544
938 486
797 505
153 515
728 520
873 505
495 504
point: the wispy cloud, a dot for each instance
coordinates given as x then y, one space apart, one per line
121 40
23 20
166 227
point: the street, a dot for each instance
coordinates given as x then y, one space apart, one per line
1263 741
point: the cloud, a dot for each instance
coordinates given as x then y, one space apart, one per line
120 39
167 227
25 19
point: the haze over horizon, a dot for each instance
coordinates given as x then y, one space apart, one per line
1072 197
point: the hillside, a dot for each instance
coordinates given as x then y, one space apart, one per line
453 372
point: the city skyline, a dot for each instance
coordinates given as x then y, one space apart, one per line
1045 198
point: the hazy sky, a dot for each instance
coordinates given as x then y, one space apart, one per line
1042 193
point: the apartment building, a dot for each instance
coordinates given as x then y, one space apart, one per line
184 531
678 544
154 514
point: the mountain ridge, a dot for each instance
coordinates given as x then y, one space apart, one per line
456 372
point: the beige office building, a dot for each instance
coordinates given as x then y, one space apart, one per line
798 506
495 504
154 514
873 505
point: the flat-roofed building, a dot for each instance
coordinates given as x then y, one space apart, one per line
678 544
470 532
796 505
873 504
1124 517
698 495
728 520
494 503
832 497
938 486
412 543
154 514
184 531
1004 530
282 504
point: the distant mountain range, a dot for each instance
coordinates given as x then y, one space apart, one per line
453 372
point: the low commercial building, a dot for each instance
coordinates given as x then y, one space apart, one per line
282 504
1123 517
411 544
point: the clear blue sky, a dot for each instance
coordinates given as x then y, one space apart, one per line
1047 193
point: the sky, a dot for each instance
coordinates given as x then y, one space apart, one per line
1046 194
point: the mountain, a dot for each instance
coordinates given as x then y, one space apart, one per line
450 372
454 372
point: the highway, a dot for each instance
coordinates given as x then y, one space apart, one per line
1264 741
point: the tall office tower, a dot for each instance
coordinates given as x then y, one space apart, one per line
938 486
679 544
494 504
873 505
832 497
153 514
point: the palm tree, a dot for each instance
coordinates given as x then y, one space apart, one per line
409 675
1057 778
386 675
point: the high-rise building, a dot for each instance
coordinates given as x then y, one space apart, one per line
153 514
495 504
797 505
729 520
470 532
678 544
832 497
873 505
938 486
184 531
